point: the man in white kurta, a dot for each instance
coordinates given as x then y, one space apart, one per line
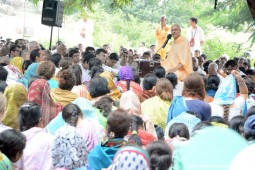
196 33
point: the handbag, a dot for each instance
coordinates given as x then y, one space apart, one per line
192 40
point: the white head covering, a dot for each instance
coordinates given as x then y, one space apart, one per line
13 74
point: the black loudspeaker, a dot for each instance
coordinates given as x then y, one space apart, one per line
52 13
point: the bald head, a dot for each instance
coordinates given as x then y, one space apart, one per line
61 49
176 31
212 69
176 25
33 45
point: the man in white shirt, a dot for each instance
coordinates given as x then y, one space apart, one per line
111 61
85 67
195 35
103 55
141 49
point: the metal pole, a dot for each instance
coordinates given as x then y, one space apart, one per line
58 34
24 19
51 37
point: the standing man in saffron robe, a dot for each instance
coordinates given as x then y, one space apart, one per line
161 35
179 58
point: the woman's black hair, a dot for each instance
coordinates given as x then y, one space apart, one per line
217 119
159 132
76 70
96 70
250 111
249 133
3 85
104 105
33 54
136 122
201 125
136 77
98 87
172 78
128 84
179 129
29 115
3 73
12 142
71 113
160 155
25 65
213 82
149 81
94 62
159 71
237 123
135 139
55 58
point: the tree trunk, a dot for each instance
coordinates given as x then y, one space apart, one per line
251 4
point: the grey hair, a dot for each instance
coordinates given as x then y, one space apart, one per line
214 65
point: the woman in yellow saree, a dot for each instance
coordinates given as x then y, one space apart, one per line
18 62
156 108
114 92
16 95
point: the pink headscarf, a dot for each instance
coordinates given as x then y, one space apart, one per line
130 102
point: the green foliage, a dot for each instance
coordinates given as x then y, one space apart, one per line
214 48
176 11
233 15
120 29
129 22
84 6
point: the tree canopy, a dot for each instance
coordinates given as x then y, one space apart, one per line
129 22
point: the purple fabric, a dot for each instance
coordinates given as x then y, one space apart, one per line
249 125
126 73
200 107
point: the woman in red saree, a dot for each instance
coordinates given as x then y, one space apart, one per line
39 92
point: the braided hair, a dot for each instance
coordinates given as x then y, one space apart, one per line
128 85
71 114
225 112
136 122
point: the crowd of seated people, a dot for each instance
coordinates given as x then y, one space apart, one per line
89 109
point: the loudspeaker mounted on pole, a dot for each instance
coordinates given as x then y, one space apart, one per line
52 15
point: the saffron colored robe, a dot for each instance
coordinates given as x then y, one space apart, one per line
161 36
180 53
